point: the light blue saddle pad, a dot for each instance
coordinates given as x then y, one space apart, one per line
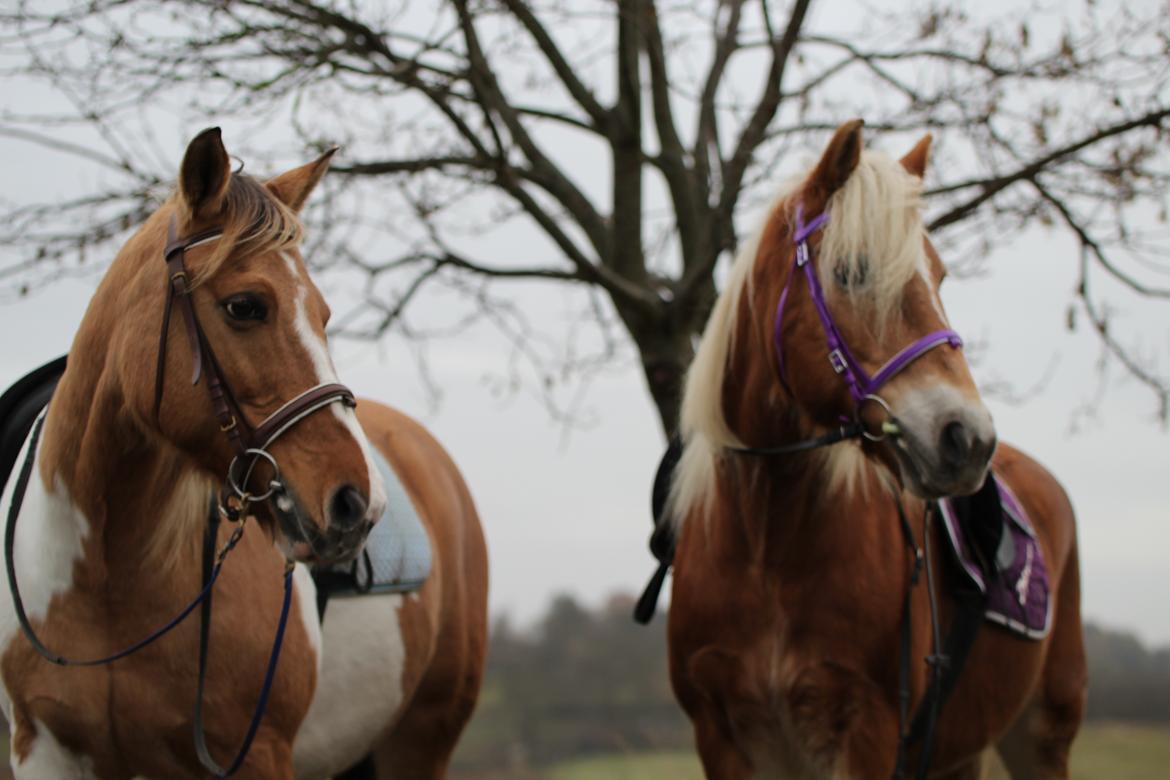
397 555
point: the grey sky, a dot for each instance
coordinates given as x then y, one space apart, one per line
571 513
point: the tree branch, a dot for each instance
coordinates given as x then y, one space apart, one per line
990 187
560 65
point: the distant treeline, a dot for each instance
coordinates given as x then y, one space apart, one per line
1126 681
591 681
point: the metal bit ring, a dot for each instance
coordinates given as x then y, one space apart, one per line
888 427
273 484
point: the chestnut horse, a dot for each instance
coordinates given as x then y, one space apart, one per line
792 569
108 544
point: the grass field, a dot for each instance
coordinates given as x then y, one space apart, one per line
1102 752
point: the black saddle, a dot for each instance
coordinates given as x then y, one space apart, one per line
662 539
19 407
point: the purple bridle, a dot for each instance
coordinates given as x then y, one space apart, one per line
861 385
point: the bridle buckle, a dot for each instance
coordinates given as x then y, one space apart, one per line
837 361
802 254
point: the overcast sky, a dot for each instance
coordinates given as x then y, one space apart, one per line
570 513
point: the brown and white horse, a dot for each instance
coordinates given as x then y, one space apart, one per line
791 571
108 545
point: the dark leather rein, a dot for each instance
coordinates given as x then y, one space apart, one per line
250 445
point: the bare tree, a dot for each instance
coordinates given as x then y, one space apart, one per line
507 109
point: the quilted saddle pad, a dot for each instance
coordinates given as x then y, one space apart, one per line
1011 571
397 554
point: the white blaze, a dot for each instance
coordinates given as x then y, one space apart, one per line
315 347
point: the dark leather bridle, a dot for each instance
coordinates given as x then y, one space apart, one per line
250 445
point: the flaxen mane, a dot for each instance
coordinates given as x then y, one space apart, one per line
872 240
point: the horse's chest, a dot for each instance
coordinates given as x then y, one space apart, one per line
361 685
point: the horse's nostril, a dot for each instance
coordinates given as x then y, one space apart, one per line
348 507
955 444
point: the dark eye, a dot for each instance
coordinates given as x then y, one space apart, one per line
852 278
245 307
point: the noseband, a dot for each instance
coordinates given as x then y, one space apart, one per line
250 444
862 387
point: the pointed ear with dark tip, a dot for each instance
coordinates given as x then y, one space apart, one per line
292 188
205 174
839 159
916 159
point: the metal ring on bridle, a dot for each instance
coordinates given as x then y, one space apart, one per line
273 483
885 431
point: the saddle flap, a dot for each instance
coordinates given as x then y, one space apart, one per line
994 548
19 406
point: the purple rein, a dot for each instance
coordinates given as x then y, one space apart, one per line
861 384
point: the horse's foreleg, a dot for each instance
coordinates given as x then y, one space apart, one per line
722 759
1038 744
268 760
975 769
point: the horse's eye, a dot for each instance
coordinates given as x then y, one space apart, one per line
245 307
852 278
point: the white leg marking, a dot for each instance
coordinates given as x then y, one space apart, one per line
359 690
49 760
319 354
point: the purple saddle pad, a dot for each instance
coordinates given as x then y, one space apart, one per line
1016 581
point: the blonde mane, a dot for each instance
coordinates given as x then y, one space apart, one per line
873 235
178 535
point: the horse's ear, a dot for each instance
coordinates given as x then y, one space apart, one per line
839 160
916 159
205 174
293 187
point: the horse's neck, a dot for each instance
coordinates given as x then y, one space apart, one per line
787 512
113 483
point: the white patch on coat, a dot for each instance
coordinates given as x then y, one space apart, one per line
319 353
50 537
359 690
50 760
306 595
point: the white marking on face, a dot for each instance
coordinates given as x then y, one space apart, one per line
319 354
925 409
932 291
306 593
922 413
50 759
359 691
